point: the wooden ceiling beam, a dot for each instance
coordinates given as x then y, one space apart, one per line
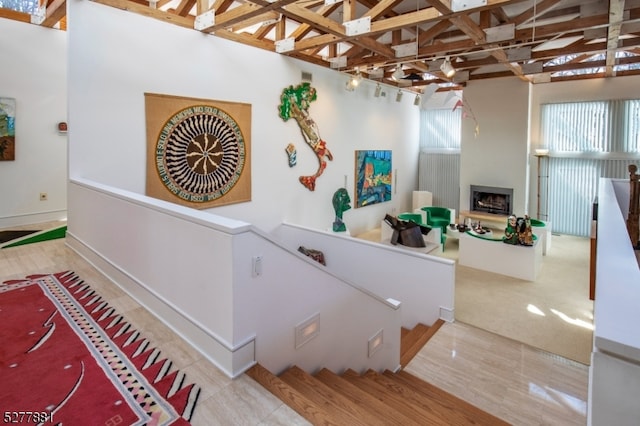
55 11
182 21
185 7
616 12
244 12
303 29
14 15
534 12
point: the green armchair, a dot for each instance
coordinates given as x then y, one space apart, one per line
411 217
416 218
438 217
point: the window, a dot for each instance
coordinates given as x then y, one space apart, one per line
439 161
587 141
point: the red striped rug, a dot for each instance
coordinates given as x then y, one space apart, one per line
66 355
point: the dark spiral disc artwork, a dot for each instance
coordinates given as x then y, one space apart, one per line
200 153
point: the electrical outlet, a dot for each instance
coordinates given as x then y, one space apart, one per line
43 196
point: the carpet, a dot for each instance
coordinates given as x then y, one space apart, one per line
6 236
72 358
553 313
51 234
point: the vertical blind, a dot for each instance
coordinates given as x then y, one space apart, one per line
439 160
587 141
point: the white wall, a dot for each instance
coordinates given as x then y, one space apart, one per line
34 73
112 66
497 155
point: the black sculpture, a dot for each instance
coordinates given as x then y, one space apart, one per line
406 233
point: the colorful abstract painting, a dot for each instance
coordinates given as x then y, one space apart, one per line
7 129
373 177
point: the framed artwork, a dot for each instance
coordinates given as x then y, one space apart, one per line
198 151
373 177
7 129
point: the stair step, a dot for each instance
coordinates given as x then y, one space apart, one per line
469 411
418 412
389 416
446 413
290 396
340 407
403 332
415 340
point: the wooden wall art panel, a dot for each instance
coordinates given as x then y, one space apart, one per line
198 151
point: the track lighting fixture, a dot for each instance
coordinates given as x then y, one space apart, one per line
398 74
399 96
447 68
353 82
417 100
378 91
349 86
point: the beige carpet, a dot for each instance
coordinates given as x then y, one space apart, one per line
553 313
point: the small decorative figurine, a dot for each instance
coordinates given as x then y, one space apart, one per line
316 255
525 234
292 154
518 231
341 204
511 232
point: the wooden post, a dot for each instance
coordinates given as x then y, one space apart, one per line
634 206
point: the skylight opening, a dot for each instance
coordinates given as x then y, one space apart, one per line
26 6
593 70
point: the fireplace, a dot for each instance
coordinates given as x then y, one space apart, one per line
491 199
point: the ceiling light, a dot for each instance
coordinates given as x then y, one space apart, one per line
447 68
399 96
417 100
353 82
349 86
398 74
357 79
377 91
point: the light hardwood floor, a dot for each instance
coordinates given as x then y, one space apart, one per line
513 381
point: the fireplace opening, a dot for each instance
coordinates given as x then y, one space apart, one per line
491 199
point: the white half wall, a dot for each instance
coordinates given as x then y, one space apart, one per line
424 284
614 374
195 271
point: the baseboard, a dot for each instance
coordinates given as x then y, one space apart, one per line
33 218
232 361
447 314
